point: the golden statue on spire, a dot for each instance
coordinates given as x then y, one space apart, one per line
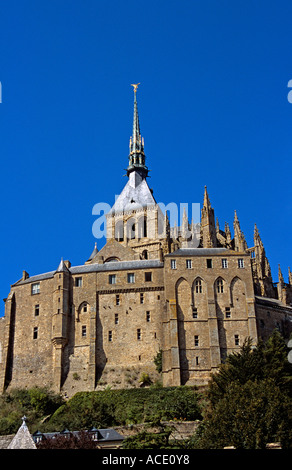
135 85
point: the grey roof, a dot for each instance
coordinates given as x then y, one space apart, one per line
135 195
91 268
198 251
62 267
117 266
22 439
95 251
104 435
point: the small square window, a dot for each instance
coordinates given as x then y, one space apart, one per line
78 281
241 263
131 278
209 263
173 264
148 277
83 331
112 279
36 310
189 264
224 263
35 288
35 332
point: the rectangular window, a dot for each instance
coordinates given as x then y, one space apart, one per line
209 263
35 332
116 318
112 279
36 310
141 298
110 336
78 281
35 288
241 263
138 334
195 312
227 312
236 340
224 263
196 339
189 264
148 277
173 264
148 317
131 278
118 299
197 360
83 331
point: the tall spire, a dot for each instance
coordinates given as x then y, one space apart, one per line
137 155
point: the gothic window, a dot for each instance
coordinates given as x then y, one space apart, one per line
219 286
145 254
198 286
119 231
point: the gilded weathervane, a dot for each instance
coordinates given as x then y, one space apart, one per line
135 85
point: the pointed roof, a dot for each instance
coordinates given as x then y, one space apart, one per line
62 267
206 199
94 253
22 439
137 155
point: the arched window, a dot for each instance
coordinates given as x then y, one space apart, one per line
145 254
119 231
198 286
219 286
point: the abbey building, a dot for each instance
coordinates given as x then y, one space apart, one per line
194 292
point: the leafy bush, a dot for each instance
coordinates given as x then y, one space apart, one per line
118 407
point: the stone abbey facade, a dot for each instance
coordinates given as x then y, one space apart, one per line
194 292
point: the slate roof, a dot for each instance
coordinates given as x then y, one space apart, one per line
22 439
198 252
90 268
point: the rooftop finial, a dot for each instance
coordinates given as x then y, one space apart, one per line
135 85
137 155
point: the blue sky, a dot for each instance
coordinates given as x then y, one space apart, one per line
213 111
